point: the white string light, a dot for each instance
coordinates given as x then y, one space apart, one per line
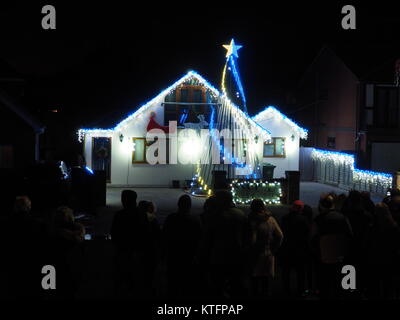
381 179
272 111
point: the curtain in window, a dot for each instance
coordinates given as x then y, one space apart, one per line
139 154
279 147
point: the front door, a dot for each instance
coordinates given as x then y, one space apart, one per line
101 155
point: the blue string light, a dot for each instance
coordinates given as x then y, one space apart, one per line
89 170
235 72
260 116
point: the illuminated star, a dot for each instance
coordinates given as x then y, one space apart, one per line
232 48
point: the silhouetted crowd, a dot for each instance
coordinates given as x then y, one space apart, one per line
28 244
224 253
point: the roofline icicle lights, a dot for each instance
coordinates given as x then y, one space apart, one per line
270 109
139 111
159 98
333 155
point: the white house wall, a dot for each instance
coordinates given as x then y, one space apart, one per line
124 172
280 129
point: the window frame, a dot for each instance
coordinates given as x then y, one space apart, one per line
145 150
274 144
194 108
146 145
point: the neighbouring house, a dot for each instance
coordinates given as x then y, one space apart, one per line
270 138
352 107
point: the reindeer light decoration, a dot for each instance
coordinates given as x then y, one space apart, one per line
197 126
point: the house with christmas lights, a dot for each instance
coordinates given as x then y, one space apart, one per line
268 138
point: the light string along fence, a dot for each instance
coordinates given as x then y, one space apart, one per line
339 168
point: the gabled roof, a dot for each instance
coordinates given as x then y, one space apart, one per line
376 66
325 50
159 98
271 111
161 95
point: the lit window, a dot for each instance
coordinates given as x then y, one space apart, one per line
139 153
275 148
178 107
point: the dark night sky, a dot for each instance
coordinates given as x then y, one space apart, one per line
104 61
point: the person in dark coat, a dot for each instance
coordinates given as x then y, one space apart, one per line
66 251
23 242
310 260
129 226
152 246
182 233
394 205
361 221
226 239
367 203
293 254
209 208
332 236
383 253
128 234
206 217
